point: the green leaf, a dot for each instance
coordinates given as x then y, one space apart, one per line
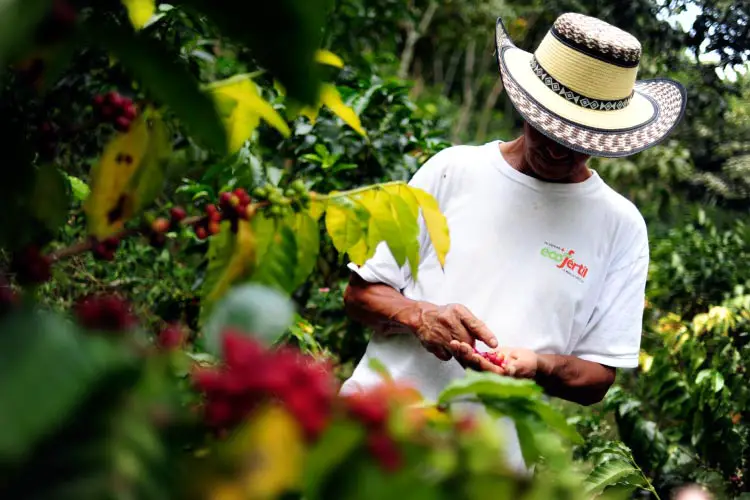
79 188
276 261
18 21
307 235
256 310
610 473
230 259
338 442
489 385
168 81
283 36
556 421
527 441
47 368
50 197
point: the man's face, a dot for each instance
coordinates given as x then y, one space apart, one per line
548 159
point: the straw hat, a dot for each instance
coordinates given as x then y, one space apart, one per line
579 88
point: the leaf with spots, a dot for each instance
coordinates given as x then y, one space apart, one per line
230 259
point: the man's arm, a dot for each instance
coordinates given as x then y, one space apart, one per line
382 307
566 377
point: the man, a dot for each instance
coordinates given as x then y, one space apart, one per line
547 263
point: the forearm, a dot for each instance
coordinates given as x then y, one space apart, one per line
574 379
379 306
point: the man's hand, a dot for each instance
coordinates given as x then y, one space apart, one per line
519 363
439 325
567 377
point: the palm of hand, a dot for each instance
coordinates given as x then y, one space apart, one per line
517 362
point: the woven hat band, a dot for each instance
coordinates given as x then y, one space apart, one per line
584 74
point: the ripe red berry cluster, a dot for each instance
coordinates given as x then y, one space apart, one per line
31 266
107 312
371 408
493 357
105 249
251 375
233 206
115 109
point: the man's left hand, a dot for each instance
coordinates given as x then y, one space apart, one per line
519 363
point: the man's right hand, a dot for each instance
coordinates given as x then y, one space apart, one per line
437 326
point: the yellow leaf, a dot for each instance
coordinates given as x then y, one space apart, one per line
317 208
140 11
127 176
343 226
359 252
404 192
329 58
230 258
242 107
270 450
311 113
330 98
385 225
437 225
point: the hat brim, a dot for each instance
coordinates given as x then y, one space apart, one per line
656 108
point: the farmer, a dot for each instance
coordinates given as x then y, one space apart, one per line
547 263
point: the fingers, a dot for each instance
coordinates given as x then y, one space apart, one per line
476 327
439 352
450 319
466 353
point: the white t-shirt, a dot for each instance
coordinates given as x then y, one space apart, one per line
557 268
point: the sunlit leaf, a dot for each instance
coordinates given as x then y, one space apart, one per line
307 235
128 176
387 226
140 11
407 221
329 58
330 98
276 260
317 208
242 107
230 259
79 188
436 223
343 226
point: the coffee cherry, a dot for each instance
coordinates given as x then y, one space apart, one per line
160 225
177 214
122 124
298 186
128 111
106 313
214 227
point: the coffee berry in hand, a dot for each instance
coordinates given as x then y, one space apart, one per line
496 358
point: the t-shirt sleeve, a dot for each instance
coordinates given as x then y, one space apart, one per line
613 334
382 266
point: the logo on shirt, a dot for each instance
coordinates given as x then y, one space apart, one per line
565 260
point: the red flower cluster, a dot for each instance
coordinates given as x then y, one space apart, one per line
493 357
115 109
108 313
252 375
371 408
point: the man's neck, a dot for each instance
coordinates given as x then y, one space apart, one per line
514 153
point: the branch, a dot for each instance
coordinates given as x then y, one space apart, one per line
413 36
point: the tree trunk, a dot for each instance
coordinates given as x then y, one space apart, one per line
468 100
489 106
412 37
451 73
